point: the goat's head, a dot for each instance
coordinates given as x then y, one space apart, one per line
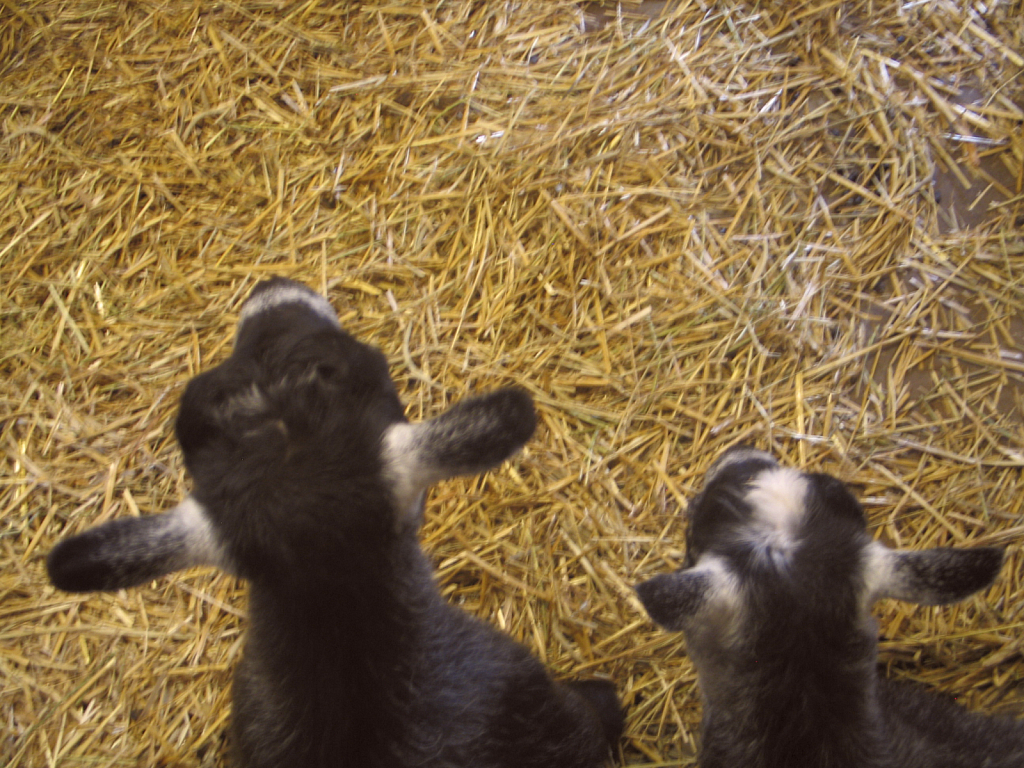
780 567
297 438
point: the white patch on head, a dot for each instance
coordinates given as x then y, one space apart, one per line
287 293
777 498
190 520
736 456
403 458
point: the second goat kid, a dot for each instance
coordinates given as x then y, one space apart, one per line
775 601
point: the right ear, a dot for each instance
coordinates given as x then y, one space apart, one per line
930 576
134 550
470 437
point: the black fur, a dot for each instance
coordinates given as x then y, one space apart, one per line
352 656
949 575
74 564
510 416
670 595
777 623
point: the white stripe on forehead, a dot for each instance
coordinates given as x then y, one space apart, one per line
287 293
777 497
735 456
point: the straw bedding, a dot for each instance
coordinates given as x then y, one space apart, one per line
678 225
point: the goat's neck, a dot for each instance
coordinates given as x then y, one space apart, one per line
349 618
347 591
769 715
341 644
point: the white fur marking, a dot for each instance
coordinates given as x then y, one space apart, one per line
190 518
287 294
402 454
726 588
735 456
724 599
777 499
879 571
248 402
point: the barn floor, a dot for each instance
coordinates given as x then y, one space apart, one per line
679 225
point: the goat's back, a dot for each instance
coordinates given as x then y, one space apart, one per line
930 730
475 698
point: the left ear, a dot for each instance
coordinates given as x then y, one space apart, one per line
674 600
131 551
931 576
472 436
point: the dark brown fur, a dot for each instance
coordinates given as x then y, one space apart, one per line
301 486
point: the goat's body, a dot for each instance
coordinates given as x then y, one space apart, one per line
347 674
904 725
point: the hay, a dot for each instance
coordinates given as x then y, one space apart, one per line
679 227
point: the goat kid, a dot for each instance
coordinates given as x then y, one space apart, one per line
310 483
774 599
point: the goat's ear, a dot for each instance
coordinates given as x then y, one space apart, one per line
472 436
674 599
930 576
131 551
